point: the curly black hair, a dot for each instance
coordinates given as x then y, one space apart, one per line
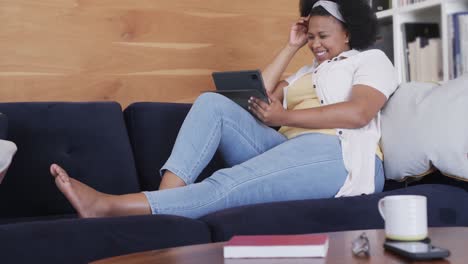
361 21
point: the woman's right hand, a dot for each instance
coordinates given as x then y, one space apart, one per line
298 34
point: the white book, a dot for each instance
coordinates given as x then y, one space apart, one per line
412 60
451 55
423 66
436 45
462 35
464 42
419 61
432 62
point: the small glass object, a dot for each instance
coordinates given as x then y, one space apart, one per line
361 246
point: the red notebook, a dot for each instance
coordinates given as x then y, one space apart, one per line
277 246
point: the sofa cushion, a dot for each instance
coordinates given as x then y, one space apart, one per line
153 129
88 139
446 207
85 240
423 126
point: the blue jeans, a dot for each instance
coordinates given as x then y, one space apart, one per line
264 166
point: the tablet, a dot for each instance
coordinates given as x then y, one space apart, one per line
239 86
241 97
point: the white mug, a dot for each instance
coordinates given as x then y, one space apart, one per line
405 216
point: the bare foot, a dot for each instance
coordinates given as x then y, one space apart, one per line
87 201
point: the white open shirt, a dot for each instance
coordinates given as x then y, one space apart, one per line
334 80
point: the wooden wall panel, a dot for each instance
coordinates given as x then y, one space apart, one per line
141 50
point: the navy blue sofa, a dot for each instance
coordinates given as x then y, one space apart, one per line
120 152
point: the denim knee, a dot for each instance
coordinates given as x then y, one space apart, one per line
209 98
212 100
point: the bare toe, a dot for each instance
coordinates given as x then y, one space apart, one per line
53 170
59 172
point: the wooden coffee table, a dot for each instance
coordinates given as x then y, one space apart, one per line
453 238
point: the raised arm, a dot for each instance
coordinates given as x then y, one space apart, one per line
273 72
374 81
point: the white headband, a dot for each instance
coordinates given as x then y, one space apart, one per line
331 8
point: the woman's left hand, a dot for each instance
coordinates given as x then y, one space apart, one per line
272 114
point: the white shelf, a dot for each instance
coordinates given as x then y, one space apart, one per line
419 6
427 11
385 14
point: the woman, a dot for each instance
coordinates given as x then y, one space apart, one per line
326 146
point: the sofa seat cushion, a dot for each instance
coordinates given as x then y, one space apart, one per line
153 128
85 240
446 207
90 141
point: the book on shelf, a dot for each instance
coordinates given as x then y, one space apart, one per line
450 49
463 20
277 246
425 60
413 30
409 2
459 43
423 57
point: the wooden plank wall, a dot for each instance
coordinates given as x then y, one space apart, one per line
137 50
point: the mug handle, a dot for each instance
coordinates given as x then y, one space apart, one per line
381 206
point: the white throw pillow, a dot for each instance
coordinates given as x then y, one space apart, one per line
425 125
7 150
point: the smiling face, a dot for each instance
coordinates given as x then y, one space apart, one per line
327 37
